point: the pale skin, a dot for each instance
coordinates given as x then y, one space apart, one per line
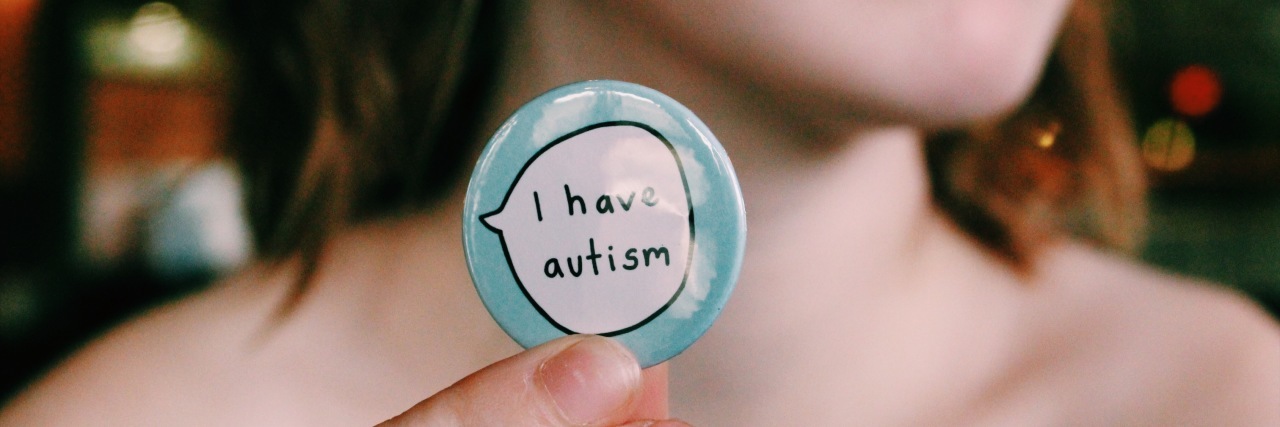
859 304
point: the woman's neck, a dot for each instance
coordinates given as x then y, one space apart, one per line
801 175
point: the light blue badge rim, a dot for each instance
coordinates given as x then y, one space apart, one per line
716 201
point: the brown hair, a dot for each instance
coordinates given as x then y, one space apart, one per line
1064 163
348 111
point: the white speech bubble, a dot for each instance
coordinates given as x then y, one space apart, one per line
597 228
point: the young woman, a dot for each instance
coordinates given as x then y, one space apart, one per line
934 235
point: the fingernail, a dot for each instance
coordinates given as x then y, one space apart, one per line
591 379
657 423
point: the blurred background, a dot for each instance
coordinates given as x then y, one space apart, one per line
116 193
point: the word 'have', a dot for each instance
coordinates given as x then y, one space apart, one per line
604 204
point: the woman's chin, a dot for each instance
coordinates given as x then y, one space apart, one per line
972 97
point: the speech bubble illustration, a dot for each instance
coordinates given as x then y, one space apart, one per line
597 228
580 217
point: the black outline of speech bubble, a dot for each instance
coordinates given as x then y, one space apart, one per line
501 238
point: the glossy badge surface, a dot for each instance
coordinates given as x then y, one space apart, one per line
607 208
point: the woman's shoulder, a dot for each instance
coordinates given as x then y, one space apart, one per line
1145 295
1200 347
172 365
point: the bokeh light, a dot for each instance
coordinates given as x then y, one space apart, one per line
1195 90
158 34
1168 145
1048 136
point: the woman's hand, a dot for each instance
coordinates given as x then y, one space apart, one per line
573 381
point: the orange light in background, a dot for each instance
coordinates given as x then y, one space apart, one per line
1195 90
1046 140
15 25
1168 145
1048 136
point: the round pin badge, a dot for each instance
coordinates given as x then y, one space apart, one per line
607 208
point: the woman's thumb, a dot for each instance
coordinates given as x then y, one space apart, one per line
577 380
